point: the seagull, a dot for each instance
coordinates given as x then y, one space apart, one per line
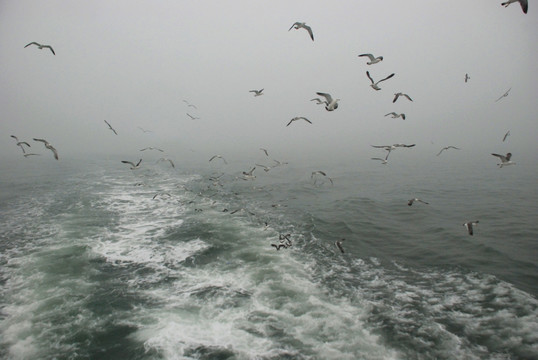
397 95
20 143
303 25
257 92
278 163
410 202
403 145
265 168
248 175
133 166
48 146
373 60
446 148
524 4
469 225
166 159
41 47
330 103
320 173
111 128
143 130
394 115
467 77
265 151
505 159
374 84
30 154
504 138
151 148
385 160
504 95
218 156
318 101
192 117
339 245
299 118
189 104
389 148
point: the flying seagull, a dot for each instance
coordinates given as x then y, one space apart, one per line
303 25
192 117
330 103
20 143
166 159
410 202
257 92
318 101
152 148
467 77
394 115
144 130
30 154
265 167
397 95
373 60
505 159
339 245
111 128
133 166
385 160
374 84
265 151
524 4
48 146
446 148
320 173
504 138
504 95
41 47
189 104
218 156
299 118
469 225
248 174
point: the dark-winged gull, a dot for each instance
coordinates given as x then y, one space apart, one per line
330 103
110 127
220 157
193 117
469 225
397 95
339 245
133 166
41 47
265 151
151 148
373 60
166 159
257 92
320 173
299 118
374 84
394 115
524 4
505 159
467 77
189 104
411 201
20 143
506 135
48 146
299 25
503 95
446 148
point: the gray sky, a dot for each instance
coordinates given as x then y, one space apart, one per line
134 62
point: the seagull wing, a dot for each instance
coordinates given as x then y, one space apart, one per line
502 157
139 161
388 77
14 137
370 56
328 97
297 23
110 127
443 149
33 43
42 140
369 77
128 162
49 47
309 29
424 202
504 138
524 5
396 97
392 113
407 96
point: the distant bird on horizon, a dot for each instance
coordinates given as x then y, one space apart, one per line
397 95
338 244
218 156
133 166
330 103
410 202
394 115
41 47
48 146
506 135
469 225
110 127
374 84
299 25
504 95
524 4
20 143
505 159
257 92
192 117
373 60
299 118
446 148
467 77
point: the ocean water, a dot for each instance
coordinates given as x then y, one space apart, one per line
101 262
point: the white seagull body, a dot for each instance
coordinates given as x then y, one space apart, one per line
330 103
133 166
374 84
41 47
257 92
505 159
299 118
110 127
397 95
394 115
524 4
373 60
446 148
469 225
299 25
48 146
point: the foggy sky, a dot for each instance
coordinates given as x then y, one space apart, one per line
133 63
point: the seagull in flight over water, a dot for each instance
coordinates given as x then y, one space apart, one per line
220 157
397 95
524 4
410 202
505 159
257 92
48 146
133 166
504 95
41 47
330 103
299 25
20 143
469 225
299 118
446 148
373 60
374 84
338 244
110 127
385 160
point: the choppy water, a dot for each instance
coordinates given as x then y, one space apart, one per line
93 266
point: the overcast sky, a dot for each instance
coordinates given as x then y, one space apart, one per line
134 62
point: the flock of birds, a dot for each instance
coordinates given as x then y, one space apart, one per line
330 103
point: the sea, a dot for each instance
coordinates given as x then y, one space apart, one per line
98 261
